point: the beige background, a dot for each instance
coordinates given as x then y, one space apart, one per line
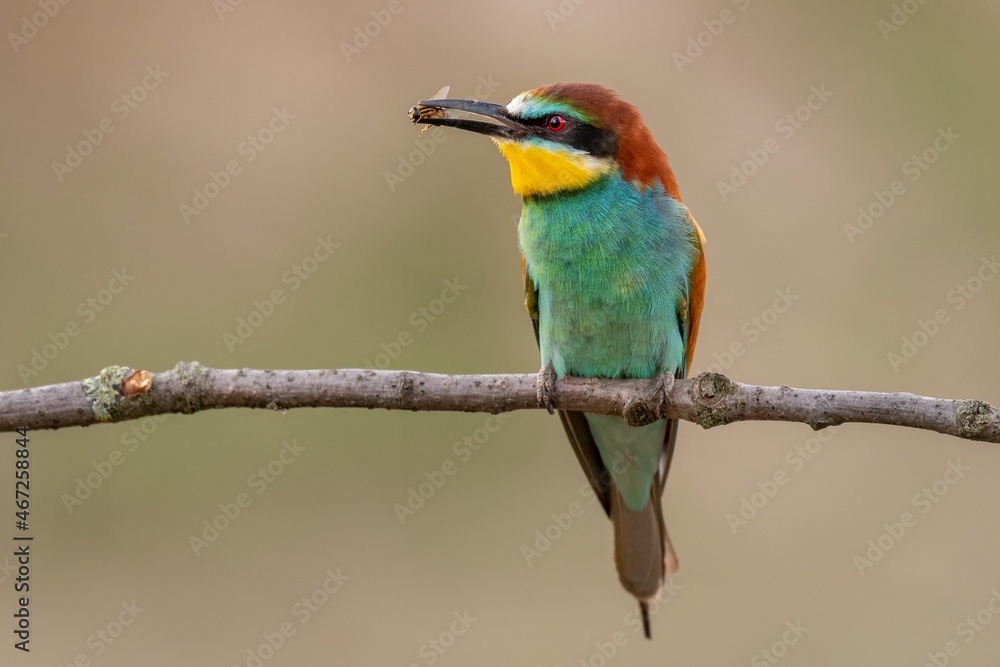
324 175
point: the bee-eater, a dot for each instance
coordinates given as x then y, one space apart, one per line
614 276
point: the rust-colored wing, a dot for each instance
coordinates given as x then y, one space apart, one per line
690 316
696 291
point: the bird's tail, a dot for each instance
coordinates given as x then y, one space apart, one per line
644 556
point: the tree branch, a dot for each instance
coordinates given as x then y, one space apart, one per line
119 393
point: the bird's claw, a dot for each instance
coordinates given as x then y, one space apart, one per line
664 385
545 387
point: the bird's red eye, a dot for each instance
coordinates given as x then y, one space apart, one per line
556 123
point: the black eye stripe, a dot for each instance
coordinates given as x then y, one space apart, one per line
594 140
578 134
540 122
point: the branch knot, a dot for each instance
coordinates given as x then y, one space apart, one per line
638 413
973 418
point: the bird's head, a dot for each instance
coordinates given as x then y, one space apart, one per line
561 137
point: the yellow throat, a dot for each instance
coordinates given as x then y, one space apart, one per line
540 170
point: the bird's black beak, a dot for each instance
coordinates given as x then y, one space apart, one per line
442 112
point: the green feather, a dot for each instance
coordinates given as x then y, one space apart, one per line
611 263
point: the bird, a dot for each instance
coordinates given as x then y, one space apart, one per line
614 273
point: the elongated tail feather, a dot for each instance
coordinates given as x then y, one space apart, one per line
644 556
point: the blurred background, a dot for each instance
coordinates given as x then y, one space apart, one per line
167 169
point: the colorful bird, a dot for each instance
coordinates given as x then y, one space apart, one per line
614 275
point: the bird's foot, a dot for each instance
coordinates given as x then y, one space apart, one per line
545 386
664 385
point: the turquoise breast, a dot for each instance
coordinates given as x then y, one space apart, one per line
611 265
